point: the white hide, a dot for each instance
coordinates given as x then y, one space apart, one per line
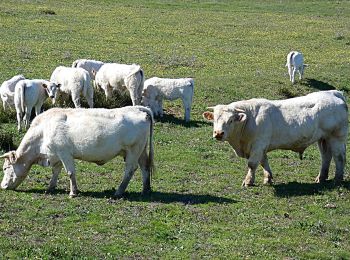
257 126
74 81
7 90
29 94
157 89
90 66
58 136
114 76
295 63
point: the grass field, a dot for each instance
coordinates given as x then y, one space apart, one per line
234 50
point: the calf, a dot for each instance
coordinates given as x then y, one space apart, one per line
295 62
74 81
120 76
7 90
58 136
257 126
157 89
29 94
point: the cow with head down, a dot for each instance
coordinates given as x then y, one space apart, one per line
58 136
256 126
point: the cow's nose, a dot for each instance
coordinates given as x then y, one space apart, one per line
218 135
52 96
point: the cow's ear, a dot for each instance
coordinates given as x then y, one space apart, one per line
208 116
44 85
240 117
58 85
11 156
93 72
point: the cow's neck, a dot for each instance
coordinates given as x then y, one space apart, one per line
238 140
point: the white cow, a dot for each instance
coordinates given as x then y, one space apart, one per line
74 81
88 65
257 126
29 94
156 89
120 76
7 90
295 62
58 136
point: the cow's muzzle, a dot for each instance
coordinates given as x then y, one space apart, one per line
218 135
52 96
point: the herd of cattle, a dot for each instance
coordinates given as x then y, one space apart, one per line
252 127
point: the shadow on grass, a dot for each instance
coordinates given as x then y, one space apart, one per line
161 197
317 84
293 189
179 121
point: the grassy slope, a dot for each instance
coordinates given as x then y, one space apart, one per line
234 50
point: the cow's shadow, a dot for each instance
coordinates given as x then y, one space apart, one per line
161 197
317 84
168 118
294 189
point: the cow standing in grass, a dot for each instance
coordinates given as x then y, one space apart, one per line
58 136
295 63
7 90
255 127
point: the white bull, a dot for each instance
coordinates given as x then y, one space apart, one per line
29 94
58 136
156 89
7 90
257 126
114 76
74 81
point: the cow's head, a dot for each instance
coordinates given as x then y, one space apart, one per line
51 89
14 173
226 119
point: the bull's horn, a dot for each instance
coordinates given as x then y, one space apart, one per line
212 108
5 155
239 110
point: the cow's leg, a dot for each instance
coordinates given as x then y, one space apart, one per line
290 72
131 161
267 170
253 163
145 169
339 156
326 156
294 74
160 107
38 109
301 72
27 116
68 163
187 107
56 169
76 100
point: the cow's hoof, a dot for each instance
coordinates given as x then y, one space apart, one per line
268 181
247 183
50 190
320 179
73 195
146 192
338 181
118 196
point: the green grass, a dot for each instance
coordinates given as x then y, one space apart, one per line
234 50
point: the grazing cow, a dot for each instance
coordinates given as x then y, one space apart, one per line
58 136
120 76
74 81
156 89
7 90
88 65
29 94
256 126
295 62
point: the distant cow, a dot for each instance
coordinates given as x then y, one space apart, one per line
7 90
295 63
29 94
74 81
88 65
156 89
114 76
58 136
256 126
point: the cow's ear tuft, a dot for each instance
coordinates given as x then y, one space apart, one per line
208 116
240 117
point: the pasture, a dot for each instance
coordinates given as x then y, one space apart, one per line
234 50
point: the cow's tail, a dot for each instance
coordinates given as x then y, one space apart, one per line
289 59
150 163
133 80
22 87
